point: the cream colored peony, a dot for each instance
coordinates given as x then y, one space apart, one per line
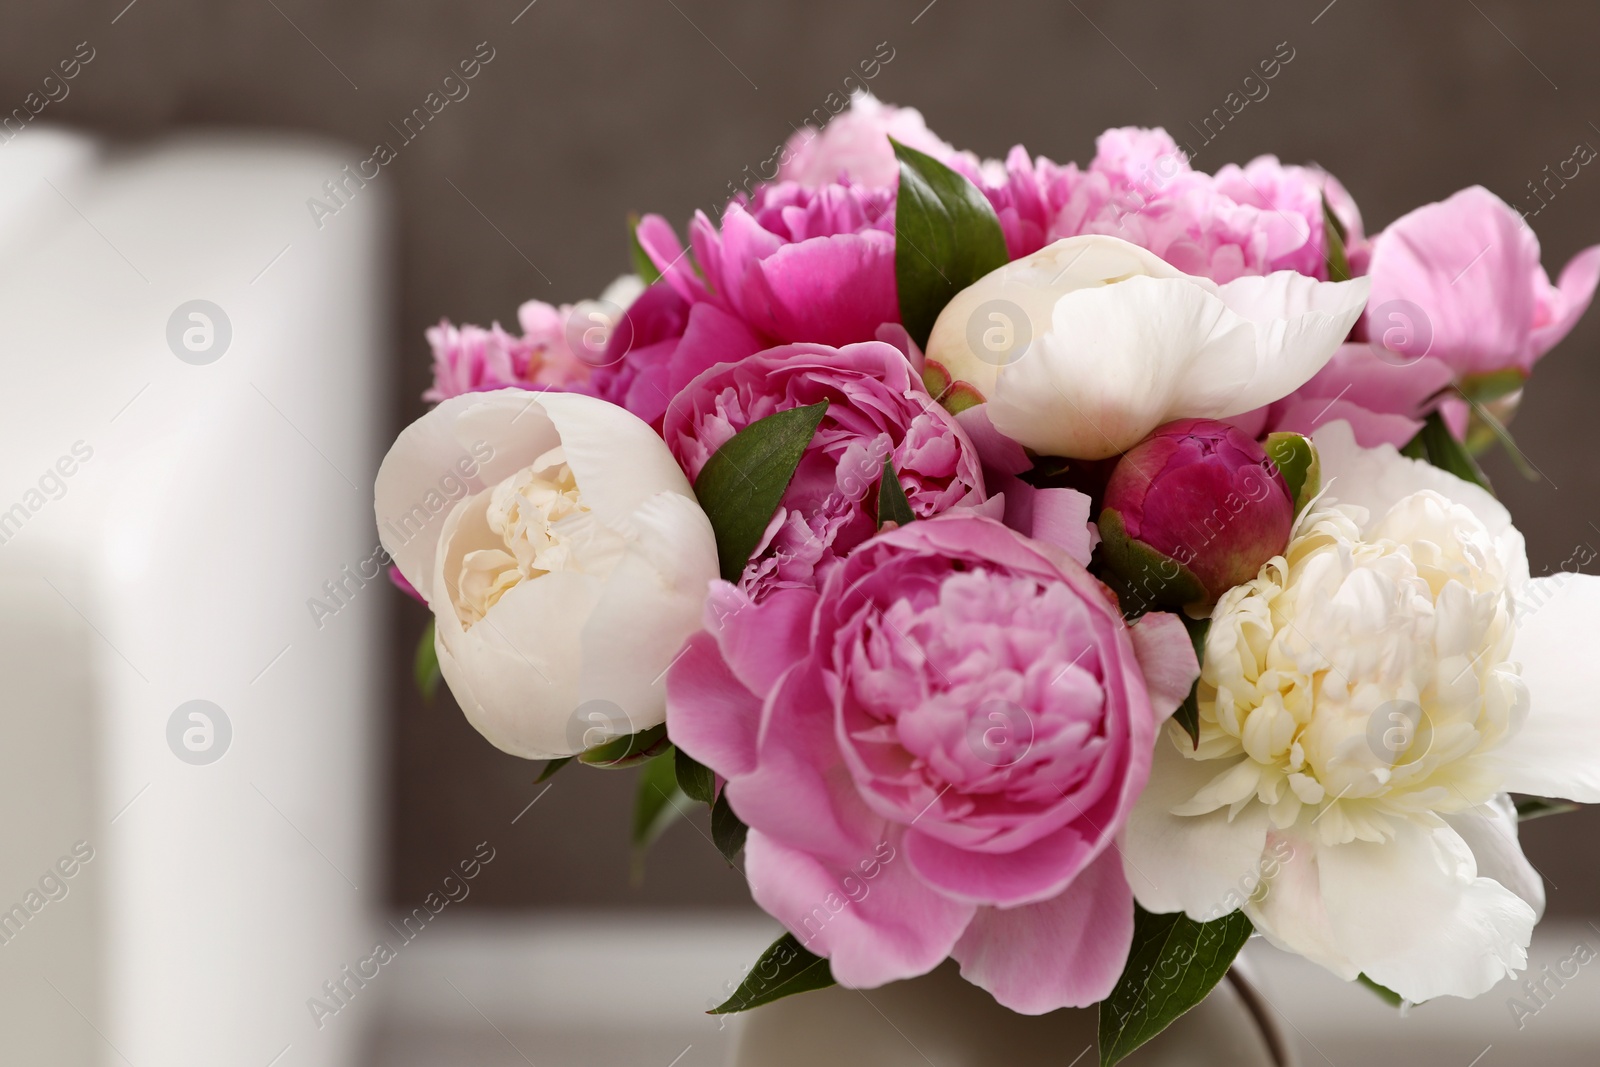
1085 346
1366 703
564 557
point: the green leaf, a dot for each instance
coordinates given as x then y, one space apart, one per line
695 778
1296 459
1538 807
550 768
1173 964
643 266
892 503
1188 713
727 831
1338 258
946 236
629 751
425 665
1438 446
1152 578
1385 994
743 481
657 804
785 968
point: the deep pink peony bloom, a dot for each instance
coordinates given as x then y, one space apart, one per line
1467 271
470 359
934 755
1204 493
793 263
877 410
660 344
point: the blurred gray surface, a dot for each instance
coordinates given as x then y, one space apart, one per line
591 110
581 989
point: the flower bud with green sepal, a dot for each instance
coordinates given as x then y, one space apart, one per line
1196 508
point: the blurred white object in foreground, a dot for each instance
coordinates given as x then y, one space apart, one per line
177 480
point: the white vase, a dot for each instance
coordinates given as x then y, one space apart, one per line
942 1019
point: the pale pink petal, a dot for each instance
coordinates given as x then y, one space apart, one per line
1561 306
996 450
710 714
871 930
1036 872
760 641
1468 264
1302 415
1166 655
796 794
1061 516
1067 952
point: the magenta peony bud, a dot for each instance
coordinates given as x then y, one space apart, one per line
1203 493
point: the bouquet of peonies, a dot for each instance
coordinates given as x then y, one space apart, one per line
1070 571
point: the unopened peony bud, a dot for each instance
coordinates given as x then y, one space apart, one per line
1202 493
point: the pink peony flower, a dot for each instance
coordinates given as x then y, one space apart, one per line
557 349
1383 396
855 146
1028 199
934 755
1287 201
1244 221
661 343
1204 493
793 263
1467 271
877 410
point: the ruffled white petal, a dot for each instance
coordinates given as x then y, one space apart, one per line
1490 830
1102 341
663 578
1379 478
1557 751
1203 865
618 460
1299 323
1118 360
463 446
1288 909
1414 915
566 658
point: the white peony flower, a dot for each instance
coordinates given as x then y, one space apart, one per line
1366 703
1084 347
564 557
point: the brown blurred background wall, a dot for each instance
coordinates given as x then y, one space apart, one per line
589 109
